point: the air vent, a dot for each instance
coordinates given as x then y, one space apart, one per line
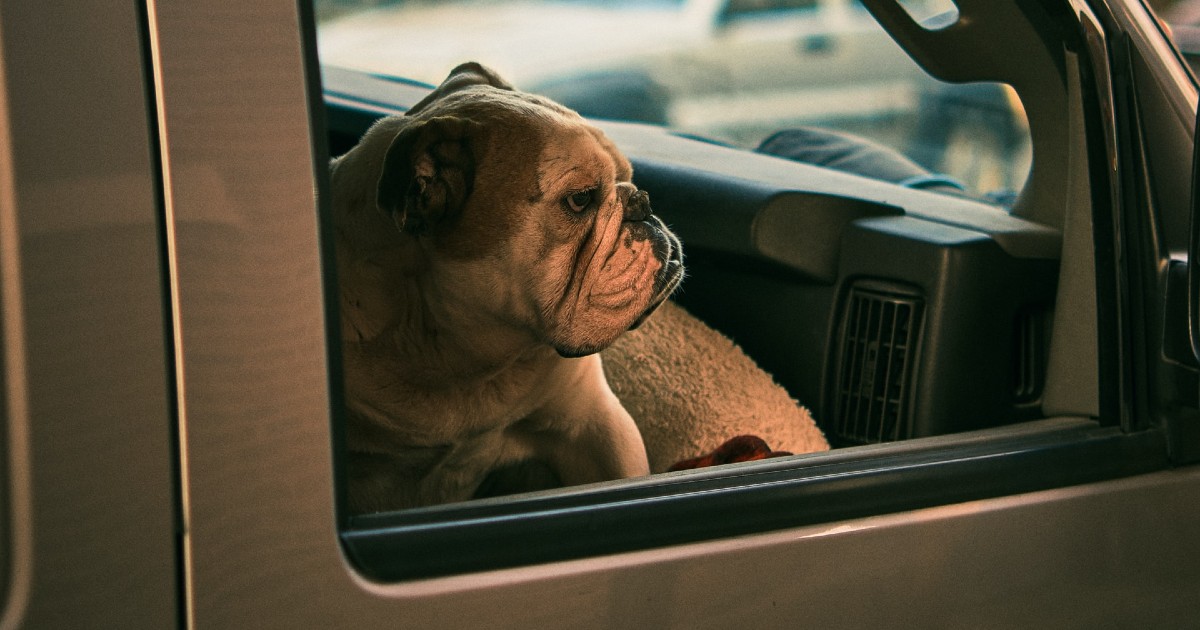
879 340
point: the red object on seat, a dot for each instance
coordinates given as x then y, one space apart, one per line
743 448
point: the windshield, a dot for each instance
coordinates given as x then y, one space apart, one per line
757 74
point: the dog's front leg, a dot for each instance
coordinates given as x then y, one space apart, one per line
588 436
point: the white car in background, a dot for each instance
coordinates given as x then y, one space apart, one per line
731 70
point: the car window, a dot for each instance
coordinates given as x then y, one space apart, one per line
819 83
846 225
695 68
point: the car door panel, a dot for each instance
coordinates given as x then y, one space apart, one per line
87 486
171 406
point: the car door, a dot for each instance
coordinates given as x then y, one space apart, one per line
215 501
88 521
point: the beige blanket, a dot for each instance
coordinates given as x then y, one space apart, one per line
690 388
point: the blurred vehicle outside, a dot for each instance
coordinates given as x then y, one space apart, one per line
732 71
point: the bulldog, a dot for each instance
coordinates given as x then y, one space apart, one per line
489 243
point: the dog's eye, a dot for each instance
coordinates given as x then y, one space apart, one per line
579 201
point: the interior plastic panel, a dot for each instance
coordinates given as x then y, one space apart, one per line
993 41
773 267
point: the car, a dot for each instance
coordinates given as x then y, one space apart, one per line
728 70
170 394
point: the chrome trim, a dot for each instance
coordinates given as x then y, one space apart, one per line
169 222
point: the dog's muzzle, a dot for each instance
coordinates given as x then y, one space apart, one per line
669 250
666 246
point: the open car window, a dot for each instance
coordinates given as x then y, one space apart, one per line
871 237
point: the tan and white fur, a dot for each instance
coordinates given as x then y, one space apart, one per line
489 243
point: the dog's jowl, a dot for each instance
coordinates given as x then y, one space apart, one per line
489 243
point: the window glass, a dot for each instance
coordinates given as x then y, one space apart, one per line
691 66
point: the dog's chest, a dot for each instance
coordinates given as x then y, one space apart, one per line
436 412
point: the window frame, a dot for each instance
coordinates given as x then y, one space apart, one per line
749 498
677 508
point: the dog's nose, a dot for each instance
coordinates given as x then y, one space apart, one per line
636 202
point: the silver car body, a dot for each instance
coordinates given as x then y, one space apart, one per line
167 447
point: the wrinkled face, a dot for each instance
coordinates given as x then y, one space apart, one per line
604 261
559 241
530 219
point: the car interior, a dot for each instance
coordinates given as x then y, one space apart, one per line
896 309
892 311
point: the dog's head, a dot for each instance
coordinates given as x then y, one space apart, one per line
526 213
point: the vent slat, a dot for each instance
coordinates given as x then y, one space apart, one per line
887 420
860 348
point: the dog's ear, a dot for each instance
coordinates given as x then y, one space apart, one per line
463 76
428 172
